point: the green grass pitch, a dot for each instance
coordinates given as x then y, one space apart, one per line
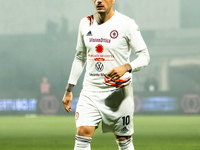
57 133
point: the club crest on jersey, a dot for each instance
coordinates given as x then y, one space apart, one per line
99 48
114 34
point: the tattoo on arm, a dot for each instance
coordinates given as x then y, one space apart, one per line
69 87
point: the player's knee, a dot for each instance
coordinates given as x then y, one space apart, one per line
122 138
86 131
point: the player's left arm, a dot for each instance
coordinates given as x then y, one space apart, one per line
137 44
141 61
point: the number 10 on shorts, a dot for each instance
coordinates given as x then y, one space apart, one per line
126 120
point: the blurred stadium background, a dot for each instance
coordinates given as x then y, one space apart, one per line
37 47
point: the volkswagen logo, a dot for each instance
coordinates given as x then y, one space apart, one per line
99 66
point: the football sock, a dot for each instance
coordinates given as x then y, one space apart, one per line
82 143
125 145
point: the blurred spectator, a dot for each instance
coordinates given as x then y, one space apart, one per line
44 86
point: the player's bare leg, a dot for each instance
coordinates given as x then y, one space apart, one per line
84 137
124 142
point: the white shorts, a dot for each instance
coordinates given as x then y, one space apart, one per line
114 108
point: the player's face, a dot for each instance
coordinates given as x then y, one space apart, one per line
103 6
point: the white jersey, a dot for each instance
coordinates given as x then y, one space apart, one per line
105 46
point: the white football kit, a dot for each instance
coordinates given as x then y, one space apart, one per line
102 47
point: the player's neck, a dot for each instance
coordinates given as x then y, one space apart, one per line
103 17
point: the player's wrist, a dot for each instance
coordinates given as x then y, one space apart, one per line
69 88
128 67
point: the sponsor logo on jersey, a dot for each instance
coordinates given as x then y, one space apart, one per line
124 130
100 40
99 66
97 74
114 34
89 33
101 57
99 48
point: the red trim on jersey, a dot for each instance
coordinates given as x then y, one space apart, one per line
91 19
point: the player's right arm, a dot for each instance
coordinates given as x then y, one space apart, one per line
67 98
76 70
80 57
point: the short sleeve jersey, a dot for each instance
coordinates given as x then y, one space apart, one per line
106 46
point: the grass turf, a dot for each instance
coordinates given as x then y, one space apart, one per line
57 133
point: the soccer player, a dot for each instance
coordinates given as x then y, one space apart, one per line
105 41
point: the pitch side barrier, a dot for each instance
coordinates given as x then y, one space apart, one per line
152 103
167 103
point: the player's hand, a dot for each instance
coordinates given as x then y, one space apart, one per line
117 72
67 99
